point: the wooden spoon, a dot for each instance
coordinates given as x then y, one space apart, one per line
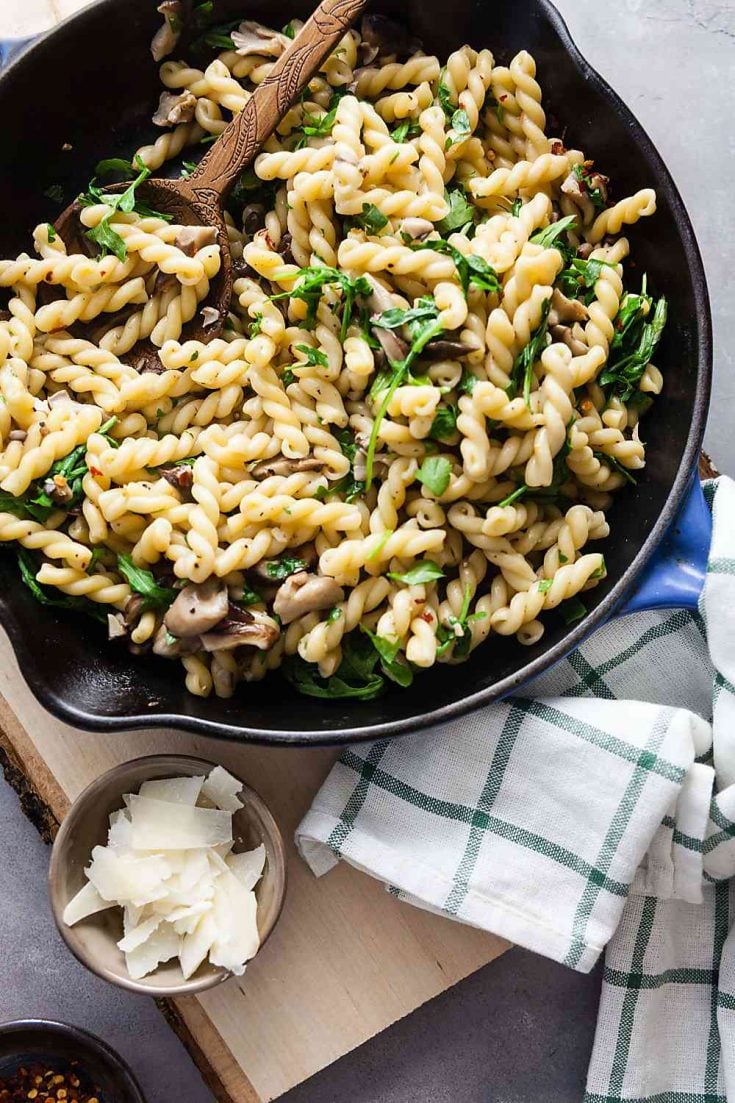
198 200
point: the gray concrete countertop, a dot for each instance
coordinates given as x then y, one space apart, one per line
519 1031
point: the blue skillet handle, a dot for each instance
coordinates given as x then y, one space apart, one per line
675 576
11 47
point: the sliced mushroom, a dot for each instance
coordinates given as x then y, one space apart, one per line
565 335
190 239
17 434
566 310
283 466
284 248
571 188
254 38
416 228
303 593
180 477
58 397
58 490
210 315
167 35
197 609
116 626
133 609
379 301
250 629
169 646
174 109
253 218
448 350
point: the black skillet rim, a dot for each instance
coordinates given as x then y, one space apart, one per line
92 721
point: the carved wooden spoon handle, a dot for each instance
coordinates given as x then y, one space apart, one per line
293 70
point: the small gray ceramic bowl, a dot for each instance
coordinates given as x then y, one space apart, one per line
93 940
57 1045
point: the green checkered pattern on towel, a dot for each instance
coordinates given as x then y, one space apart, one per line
597 811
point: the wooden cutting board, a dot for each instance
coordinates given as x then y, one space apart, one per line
346 959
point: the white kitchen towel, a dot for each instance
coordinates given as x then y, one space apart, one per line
596 811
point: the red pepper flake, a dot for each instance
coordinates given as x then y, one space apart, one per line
95 471
39 1084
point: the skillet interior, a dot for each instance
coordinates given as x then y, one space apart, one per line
101 105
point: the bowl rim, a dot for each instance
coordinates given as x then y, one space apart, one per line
77 1034
192 986
87 719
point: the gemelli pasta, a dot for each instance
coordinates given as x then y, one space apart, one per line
430 383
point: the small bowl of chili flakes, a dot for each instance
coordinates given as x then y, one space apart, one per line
49 1062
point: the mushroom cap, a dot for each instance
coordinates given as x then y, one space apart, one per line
197 609
305 593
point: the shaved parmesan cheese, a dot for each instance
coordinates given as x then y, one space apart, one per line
248 867
86 902
175 790
169 864
158 825
162 945
222 789
139 934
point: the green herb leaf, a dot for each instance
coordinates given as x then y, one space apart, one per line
249 596
633 345
334 615
371 220
143 582
423 571
549 236
472 271
595 193
392 667
434 474
460 128
460 212
355 677
48 596
289 30
573 610
409 128
444 425
423 309
445 96
314 357
616 465
468 382
310 286
286 565
51 232
116 165
522 374
545 585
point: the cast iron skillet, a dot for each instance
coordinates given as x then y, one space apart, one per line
91 83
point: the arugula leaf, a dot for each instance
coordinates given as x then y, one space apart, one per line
581 276
103 234
444 425
423 571
396 317
143 582
522 372
572 610
457 631
28 569
314 357
519 492
444 95
472 271
348 488
51 232
468 382
278 569
311 283
460 212
371 220
249 188
333 615
320 126
255 326
632 347
549 236
595 194
409 128
289 30
516 207
492 104
616 465
422 322
399 672
116 165
355 677
460 128
249 596
187 167
434 474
